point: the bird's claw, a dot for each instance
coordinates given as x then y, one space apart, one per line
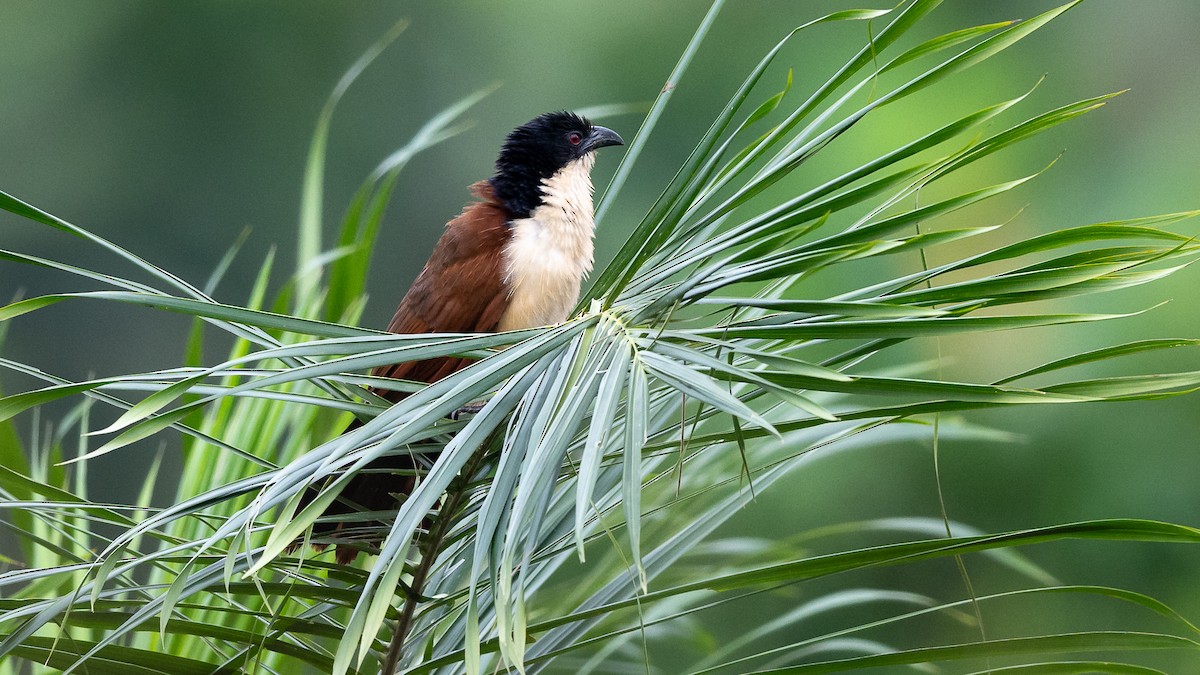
469 409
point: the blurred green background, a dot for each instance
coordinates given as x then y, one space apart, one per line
171 127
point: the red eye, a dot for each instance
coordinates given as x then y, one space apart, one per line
574 138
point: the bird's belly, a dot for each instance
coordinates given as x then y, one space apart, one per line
540 299
545 264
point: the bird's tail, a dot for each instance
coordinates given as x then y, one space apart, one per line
380 486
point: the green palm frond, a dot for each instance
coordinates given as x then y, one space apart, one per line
703 367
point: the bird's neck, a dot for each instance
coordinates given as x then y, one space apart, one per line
551 250
567 195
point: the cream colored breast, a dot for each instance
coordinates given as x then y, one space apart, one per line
551 251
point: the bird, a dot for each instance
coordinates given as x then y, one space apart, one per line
515 258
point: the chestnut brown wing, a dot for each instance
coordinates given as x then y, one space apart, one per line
460 290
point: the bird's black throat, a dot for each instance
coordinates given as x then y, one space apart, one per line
519 188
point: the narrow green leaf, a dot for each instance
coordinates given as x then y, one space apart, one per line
308 244
1103 354
111 660
660 103
659 221
827 307
695 385
768 106
28 305
608 398
15 404
941 42
636 409
1107 641
1075 667
866 329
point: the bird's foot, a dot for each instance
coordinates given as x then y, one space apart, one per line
468 409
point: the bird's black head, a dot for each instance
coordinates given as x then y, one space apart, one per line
537 149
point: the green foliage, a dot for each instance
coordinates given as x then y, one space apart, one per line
562 536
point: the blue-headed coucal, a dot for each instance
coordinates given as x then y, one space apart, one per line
513 259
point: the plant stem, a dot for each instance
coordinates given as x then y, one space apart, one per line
416 590
429 548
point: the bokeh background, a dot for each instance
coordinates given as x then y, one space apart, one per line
172 127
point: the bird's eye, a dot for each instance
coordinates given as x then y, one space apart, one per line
574 138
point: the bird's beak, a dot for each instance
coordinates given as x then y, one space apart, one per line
601 137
